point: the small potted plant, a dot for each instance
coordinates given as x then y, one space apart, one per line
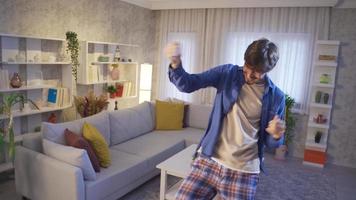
6 109
317 136
112 91
90 104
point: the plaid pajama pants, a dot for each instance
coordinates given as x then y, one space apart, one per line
208 178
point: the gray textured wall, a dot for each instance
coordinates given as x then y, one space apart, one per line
342 139
104 20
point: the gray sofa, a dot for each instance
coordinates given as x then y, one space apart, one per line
135 146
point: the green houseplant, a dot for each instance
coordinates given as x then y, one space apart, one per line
5 109
73 49
290 120
112 91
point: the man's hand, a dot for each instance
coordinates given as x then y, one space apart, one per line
173 53
276 127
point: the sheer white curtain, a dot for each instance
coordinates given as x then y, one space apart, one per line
186 27
188 44
222 36
291 73
294 30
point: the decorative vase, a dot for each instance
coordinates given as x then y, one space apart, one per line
318 96
52 118
326 98
317 137
112 95
117 54
16 81
115 73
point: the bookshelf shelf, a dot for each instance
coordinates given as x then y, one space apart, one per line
24 88
105 82
110 63
19 138
326 63
315 125
315 146
319 105
35 63
99 75
41 63
322 91
18 113
323 85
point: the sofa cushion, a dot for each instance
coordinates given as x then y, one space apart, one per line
198 116
125 168
77 141
55 132
154 147
73 156
190 135
169 115
131 122
186 109
101 148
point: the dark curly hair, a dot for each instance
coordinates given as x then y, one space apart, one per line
262 55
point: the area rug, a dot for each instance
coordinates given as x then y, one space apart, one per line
282 181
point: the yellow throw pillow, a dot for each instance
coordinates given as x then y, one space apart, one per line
169 115
99 144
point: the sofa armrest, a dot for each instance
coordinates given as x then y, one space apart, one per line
40 177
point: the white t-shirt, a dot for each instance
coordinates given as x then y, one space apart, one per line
237 147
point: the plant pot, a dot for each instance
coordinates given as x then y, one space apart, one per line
318 96
112 95
281 152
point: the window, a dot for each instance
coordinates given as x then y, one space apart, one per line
293 70
145 83
188 44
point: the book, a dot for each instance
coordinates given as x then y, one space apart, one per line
4 79
52 97
58 97
125 87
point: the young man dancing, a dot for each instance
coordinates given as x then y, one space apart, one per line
247 116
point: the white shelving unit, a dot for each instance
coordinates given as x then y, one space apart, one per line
97 74
321 102
42 64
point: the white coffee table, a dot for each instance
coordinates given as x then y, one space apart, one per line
178 165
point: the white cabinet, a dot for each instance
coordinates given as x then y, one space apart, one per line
41 64
97 61
321 101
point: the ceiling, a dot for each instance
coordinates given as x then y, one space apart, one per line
187 4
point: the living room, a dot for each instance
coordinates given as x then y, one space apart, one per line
111 72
